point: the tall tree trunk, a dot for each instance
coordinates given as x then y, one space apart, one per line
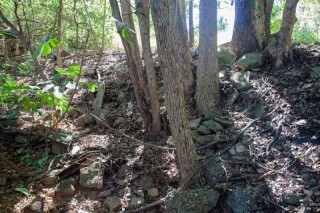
279 43
103 26
135 67
208 89
184 50
142 7
252 26
59 36
165 20
191 27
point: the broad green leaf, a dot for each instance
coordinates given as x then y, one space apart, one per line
38 51
46 49
23 190
54 42
92 86
47 87
13 115
56 77
46 39
74 70
62 71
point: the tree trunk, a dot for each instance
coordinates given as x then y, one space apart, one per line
208 89
191 27
165 20
252 26
142 7
184 50
59 36
135 67
103 26
279 43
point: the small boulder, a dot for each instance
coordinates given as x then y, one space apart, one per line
153 192
66 188
225 57
205 139
194 123
242 80
213 126
113 203
204 130
92 176
224 122
242 200
170 141
105 193
250 61
36 206
211 114
136 200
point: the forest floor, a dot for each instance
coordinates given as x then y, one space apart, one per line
276 155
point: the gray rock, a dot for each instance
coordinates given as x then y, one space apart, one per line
3 180
36 206
139 193
215 171
105 194
153 192
205 139
315 72
237 149
113 203
204 130
242 80
123 192
192 201
195 135
84 120
144 183
170 141
260 109
224 122
225 57
194 123
250 61
242 200
97 104
211 114
213 126
92 176
66 188
232 97
136 200
292 198
124 171
100 113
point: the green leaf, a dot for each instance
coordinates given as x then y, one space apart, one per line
62 71
56 77
92 86
127 36
23 190
13 115
38 51
74 70
54 42
46 49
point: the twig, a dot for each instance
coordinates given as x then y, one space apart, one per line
276 137
131 138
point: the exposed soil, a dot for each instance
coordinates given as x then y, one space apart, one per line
282 157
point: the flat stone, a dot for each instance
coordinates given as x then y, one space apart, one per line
153 192
224 122
238 149
192 201
100 113
92 176
250 61
204 130
59 147
242 80
113 203
292 199
139 193
242 200
85 119
105 193
213 126
66 188
195 134
232 97
136 200
144 183
225 56
194 123
260 109
211 114
215 171
205 139
36 206
123 192
315 72
124 171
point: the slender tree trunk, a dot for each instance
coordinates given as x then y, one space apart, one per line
191 27
165 20
208 89
135 67
142 7
184 50
59 36
279 43
103 26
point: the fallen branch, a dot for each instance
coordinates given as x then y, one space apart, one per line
131 138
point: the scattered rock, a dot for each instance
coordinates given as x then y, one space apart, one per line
192 201
105 193
250 61
242 200
92 176
224 122
66 188
136 200
292 198
260 109
139 193
194 123
205 139
3 180
238 149
98 101
213 126
124 171
100 113
232 97
36 206
153 192
59 147
242 80
225 57
170 141
204 130
84 120
123 192
50 178
215 171
315 72
195 134
211 114
113 203
144 183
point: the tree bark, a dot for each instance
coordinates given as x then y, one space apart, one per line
142 7
279 43
183 44
135 67
191 26
208 89
165 20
